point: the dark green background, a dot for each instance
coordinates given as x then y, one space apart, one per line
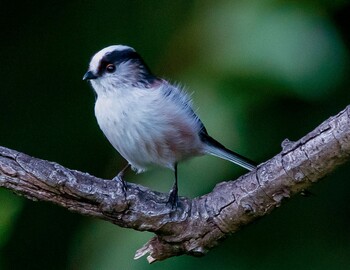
260 72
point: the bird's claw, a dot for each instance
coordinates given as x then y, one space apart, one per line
120 179
173 198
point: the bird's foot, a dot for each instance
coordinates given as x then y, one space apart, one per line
120 178
173 198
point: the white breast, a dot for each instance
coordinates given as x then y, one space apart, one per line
147 129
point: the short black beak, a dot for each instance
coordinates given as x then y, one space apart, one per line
89 76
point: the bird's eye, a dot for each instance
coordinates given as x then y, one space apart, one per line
110 68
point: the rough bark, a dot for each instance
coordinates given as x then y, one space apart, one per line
197 224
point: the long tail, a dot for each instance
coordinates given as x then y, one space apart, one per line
215 148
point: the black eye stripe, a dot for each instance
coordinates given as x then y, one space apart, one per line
117 57
121 56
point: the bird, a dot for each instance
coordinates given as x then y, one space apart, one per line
148 120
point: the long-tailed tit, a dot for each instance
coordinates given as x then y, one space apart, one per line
148 120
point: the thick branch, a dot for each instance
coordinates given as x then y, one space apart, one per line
197 224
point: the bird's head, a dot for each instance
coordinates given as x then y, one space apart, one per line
116 67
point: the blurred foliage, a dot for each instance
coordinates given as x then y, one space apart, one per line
260 72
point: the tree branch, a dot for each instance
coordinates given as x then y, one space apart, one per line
197 224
